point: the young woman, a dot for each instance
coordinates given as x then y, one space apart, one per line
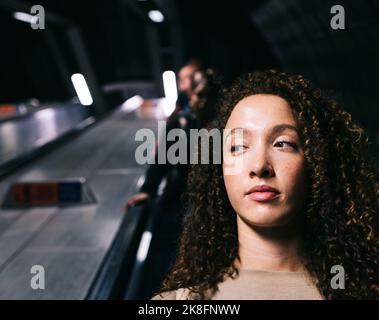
299 219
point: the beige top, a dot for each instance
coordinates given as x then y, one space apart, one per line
257 285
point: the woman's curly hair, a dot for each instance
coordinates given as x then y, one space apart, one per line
342 207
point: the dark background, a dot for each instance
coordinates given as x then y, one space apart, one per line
123 47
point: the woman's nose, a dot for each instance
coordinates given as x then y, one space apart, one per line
261 166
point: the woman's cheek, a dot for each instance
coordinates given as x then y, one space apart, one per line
234 165
231 183
292 177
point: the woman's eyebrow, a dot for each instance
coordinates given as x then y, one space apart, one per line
237 130
279 128
282 127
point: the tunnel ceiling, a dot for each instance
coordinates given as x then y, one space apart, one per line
234 37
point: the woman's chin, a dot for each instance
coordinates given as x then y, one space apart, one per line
267 219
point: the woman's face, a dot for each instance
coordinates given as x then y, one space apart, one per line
263 142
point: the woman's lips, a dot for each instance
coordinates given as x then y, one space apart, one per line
263 195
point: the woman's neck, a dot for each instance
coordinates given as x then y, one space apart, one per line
269 249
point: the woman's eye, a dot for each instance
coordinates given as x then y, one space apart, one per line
236 148
285 144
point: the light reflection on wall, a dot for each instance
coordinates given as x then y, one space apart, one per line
10 141
47 125
18 137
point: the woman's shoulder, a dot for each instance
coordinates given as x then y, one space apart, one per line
179 294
